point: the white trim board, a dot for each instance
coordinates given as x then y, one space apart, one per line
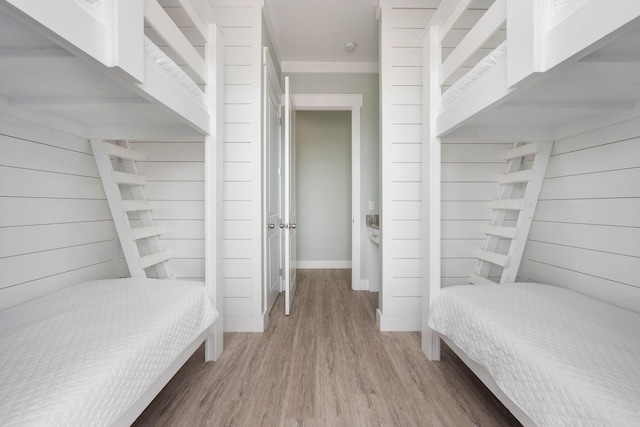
330 67
397 323
324 265
353 103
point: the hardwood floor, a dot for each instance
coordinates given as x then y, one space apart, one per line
325 365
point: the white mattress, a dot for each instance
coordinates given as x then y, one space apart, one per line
163 62
564 358
81 356
496 57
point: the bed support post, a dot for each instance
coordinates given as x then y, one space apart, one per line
431 189
213 189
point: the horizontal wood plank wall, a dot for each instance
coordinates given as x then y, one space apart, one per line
241 22
586 230
402 24
469 174
175 182
55 226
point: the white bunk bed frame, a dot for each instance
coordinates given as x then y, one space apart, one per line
138 46
125 88
516 92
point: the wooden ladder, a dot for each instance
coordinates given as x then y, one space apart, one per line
130 209
518 173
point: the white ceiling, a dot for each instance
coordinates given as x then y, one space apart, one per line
315 31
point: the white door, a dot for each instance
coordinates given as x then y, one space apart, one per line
272 184
289 196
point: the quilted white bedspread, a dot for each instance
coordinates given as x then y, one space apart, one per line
566 359
81 356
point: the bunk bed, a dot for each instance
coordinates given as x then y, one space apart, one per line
504 70
112 71
108 64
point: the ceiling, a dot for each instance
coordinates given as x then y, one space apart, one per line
311 34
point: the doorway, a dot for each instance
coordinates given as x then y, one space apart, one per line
323 189
347 103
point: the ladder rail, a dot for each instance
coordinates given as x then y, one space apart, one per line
116 206
491 242
145 217
525 218
131 239
515 174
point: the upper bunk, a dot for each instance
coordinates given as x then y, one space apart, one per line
530 69
110 68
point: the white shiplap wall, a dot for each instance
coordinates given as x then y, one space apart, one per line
586 230
241 23
402 24
175 182
469 173
55 224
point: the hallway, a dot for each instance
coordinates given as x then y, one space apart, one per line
325 365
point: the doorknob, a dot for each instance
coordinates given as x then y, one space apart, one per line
272 226
292 226
281 225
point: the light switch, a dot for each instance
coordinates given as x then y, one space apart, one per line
371 205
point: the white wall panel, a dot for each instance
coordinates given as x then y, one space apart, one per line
586 230
407 209
402 26
236 152
407 57
405 153
175 183
469 173
55 225
241 23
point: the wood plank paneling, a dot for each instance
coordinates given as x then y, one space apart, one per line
402 25
585 234
55 225
469 173
241 23
175 183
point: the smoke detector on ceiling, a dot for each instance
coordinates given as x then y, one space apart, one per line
350 46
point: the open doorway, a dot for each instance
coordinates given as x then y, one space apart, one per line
350 104
323 189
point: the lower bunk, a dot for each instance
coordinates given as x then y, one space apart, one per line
97 353
552 356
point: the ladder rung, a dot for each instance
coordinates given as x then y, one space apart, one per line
128 178
144 232
122 153
154 259
515 177
137 205
508 204
479 280
494 258
500 231
523 150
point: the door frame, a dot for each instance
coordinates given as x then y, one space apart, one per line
353 103
270 79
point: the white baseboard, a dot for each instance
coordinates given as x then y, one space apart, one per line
324 265
363 285
398 323
244 323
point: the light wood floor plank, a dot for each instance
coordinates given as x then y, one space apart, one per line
325 365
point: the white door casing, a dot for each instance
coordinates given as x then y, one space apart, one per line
353 103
